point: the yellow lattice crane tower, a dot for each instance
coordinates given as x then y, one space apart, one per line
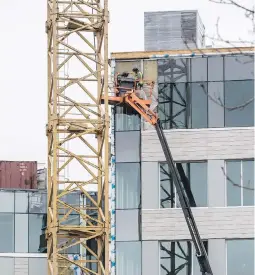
77 130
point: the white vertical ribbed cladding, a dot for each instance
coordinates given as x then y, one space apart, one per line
172 30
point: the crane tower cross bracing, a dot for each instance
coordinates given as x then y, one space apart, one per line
77 133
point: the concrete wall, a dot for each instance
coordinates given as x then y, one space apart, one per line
212 223
200 144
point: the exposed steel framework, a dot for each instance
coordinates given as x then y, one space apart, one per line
77 133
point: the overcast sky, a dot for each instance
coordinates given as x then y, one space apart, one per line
23 61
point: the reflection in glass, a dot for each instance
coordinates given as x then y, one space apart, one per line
239 97
72 199
127 185
199 105
6 233
196 172
239 67
36 223
248 182
21 202
172 107
233 171
240 257
199 69
128 258
215 68
198 182
37 202
126 119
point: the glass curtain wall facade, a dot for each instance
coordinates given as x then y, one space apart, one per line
128 191
190 87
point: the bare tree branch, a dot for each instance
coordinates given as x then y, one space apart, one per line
234 183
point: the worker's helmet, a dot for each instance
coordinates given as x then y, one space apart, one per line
135 70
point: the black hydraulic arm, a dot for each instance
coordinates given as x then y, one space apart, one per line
180 181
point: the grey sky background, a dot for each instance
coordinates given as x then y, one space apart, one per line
23 112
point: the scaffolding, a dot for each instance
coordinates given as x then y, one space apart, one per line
78 136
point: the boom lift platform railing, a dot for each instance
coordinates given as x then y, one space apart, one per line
126 92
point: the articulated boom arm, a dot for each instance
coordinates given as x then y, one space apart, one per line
180 180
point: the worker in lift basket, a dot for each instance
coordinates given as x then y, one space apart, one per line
138 78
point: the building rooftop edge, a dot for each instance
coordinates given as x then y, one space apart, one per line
187 52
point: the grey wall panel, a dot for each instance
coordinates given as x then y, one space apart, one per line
200 144
217 256
150 185
22 266
212 223
127 225
21 233
150 257
128 146
215 110
6 266
216 183
38 266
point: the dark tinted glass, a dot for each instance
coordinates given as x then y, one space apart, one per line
72 199
239 97
248 182
239 67
240 257
6 233
128 258
126 119
198 181
173 70
199 105
172 106
128 185
175 258
167 190
198 69
215 68
233 170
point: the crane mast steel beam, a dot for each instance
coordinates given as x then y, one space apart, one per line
77 130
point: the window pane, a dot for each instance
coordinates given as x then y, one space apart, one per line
239 67
198 181
126 119
128 185
128 258
128 146
7 266
233 181
21 202
37 202
21 233
167 189
7 202
71 220
173 70
239 93
36 223
248 182
199 69
215 68
6 233
199 105
175 258
37 266
172 106
240 257
196 266
72 199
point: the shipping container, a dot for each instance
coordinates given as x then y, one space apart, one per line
18 174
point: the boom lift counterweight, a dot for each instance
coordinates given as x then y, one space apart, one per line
142 106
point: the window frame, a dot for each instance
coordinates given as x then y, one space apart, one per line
241 176
175 193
